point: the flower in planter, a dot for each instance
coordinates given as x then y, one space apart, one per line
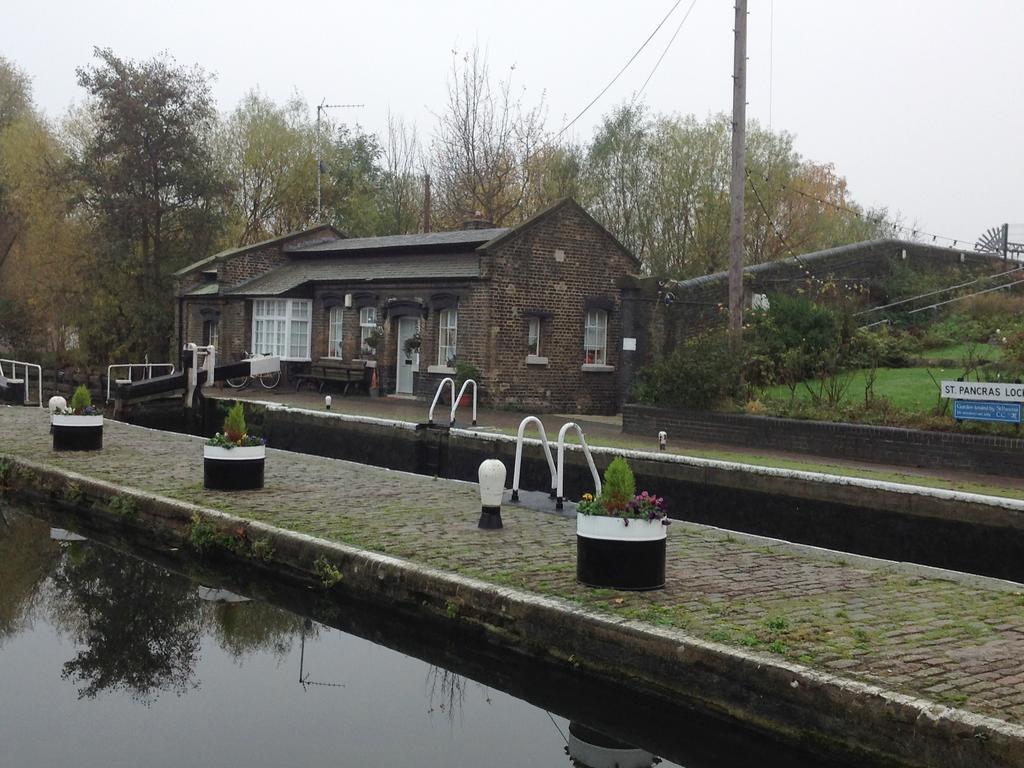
646 506
235 434
81 404
619 497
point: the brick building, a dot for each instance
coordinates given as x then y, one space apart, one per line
535 309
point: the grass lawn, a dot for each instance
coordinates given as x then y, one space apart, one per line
909 389
959 351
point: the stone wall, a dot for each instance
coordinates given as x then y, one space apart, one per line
984 454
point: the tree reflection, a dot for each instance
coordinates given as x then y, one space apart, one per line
26 558
140 627
245 628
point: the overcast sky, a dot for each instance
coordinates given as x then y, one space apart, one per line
918 103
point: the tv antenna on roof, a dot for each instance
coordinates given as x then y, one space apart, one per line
321 107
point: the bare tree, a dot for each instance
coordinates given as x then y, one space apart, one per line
483 144
401 187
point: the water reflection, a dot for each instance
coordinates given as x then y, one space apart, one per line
144 635
589 748
143 645
26 558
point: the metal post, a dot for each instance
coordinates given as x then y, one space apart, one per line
1005 240
736 185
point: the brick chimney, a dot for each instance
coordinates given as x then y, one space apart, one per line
477 221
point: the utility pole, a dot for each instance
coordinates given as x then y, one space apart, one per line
738 181
319 155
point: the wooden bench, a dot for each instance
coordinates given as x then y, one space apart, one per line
331 370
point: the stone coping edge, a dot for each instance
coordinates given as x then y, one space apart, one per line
902 489
798 704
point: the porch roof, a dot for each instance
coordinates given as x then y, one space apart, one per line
360 270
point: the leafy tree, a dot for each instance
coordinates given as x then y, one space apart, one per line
661 184
151 187
41 239
15 93
353 181
267 154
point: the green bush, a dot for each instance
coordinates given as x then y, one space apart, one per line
234 423
81 399
700 373
619 486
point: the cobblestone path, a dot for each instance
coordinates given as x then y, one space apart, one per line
950 642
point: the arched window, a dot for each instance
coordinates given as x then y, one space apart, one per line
334 336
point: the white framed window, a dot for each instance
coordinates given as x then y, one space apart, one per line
533 336
595 338
211 334
281 327
334 336
448 328
367 326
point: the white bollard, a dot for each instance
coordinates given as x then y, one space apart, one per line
327 402
662 440
492 475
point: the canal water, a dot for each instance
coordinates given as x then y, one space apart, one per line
108 659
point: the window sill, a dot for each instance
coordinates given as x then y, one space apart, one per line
368 363
441 369
595 368
536 360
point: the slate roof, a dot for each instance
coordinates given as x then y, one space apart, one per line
461 237
254 246
208 289
354 269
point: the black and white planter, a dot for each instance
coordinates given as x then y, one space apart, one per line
233 469
76 433
610 553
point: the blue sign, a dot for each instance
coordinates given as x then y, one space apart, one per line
983 410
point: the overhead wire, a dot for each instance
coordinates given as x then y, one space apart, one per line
663 53
618 74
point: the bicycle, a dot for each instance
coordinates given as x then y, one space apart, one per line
266 380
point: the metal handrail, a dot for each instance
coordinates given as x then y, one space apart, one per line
131 367
14 376
437 396
968 296
561 461
457 400
519 456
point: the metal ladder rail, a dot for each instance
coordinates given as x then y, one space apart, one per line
25 379
437 396
457 400
519 456
131 367
561 461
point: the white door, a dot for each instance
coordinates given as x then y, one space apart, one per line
407 361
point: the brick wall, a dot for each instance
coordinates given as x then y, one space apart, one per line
554 266
883 445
